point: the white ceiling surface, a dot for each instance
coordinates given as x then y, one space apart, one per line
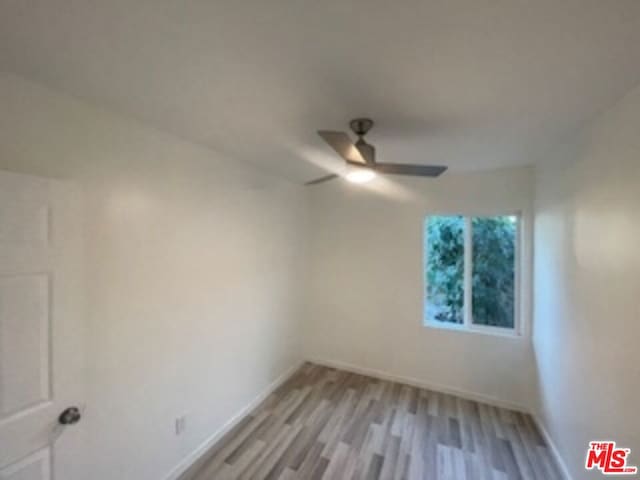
472 84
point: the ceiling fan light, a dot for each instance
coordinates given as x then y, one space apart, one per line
360 175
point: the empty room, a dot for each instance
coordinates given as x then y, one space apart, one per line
339 239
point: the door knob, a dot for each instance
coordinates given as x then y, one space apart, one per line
70 416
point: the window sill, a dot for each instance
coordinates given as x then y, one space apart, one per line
476 329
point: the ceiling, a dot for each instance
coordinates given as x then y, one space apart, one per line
473 84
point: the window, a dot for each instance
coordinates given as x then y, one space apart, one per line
471 271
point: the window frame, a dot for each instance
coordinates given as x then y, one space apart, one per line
467 324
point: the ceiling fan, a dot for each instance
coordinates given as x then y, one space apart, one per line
360 157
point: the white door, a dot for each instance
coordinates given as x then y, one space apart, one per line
41 328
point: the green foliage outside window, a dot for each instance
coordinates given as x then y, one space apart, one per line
445 268
493 279
492 274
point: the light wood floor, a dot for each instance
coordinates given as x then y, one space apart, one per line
329 424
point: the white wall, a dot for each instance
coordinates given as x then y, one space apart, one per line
366 283
587 300
193 275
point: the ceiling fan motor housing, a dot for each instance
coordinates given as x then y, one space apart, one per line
361 126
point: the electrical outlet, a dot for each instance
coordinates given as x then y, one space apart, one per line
181 424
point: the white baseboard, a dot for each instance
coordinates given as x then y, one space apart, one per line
204 447
421 384
552 446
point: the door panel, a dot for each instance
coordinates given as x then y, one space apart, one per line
24 342
36 466
41 326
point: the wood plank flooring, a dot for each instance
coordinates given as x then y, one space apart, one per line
330 424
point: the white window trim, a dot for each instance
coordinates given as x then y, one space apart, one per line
468 326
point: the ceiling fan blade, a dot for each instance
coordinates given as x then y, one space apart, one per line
407 169
326 178
342 144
